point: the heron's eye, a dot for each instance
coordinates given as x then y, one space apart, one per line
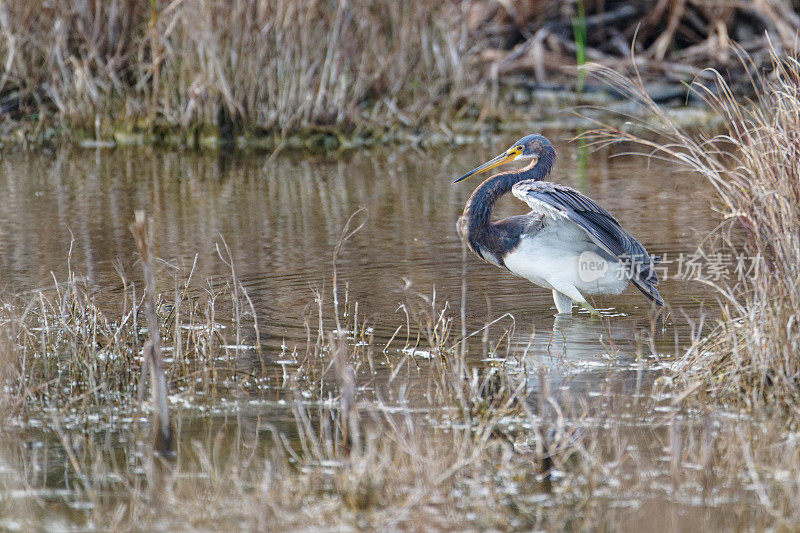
521 148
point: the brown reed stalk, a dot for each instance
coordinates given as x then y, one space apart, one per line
752 159
163 441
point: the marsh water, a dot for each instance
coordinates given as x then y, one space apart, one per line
282 215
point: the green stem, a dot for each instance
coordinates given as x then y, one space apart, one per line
579 33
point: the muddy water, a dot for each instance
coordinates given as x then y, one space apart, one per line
282 216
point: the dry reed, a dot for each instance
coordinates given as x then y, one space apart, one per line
278 66
67 351
153 360
354 456
753 354
461 445
215 70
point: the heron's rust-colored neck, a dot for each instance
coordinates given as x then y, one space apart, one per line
476 224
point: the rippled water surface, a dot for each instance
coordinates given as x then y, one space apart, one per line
282 216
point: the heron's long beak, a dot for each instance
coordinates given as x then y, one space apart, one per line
505 157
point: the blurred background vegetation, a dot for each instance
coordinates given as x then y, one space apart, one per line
280 67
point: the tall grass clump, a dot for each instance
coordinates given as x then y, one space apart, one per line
753 162
276 65
68 347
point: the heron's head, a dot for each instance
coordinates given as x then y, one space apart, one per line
529 147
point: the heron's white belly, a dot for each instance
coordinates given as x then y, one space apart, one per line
562 254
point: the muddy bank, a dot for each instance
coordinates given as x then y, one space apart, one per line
551 108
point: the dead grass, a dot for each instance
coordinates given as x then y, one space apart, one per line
450 450
190 71
753 354
69 352
429 439
278 66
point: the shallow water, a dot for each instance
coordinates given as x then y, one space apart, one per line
282 216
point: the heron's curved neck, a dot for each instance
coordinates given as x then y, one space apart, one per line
479 207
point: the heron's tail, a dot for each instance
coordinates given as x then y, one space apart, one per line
643 275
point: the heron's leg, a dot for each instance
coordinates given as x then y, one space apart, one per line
594 312
563 302
570 292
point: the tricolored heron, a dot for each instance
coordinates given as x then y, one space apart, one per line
567 243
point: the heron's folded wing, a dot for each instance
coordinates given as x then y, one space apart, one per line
559 201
